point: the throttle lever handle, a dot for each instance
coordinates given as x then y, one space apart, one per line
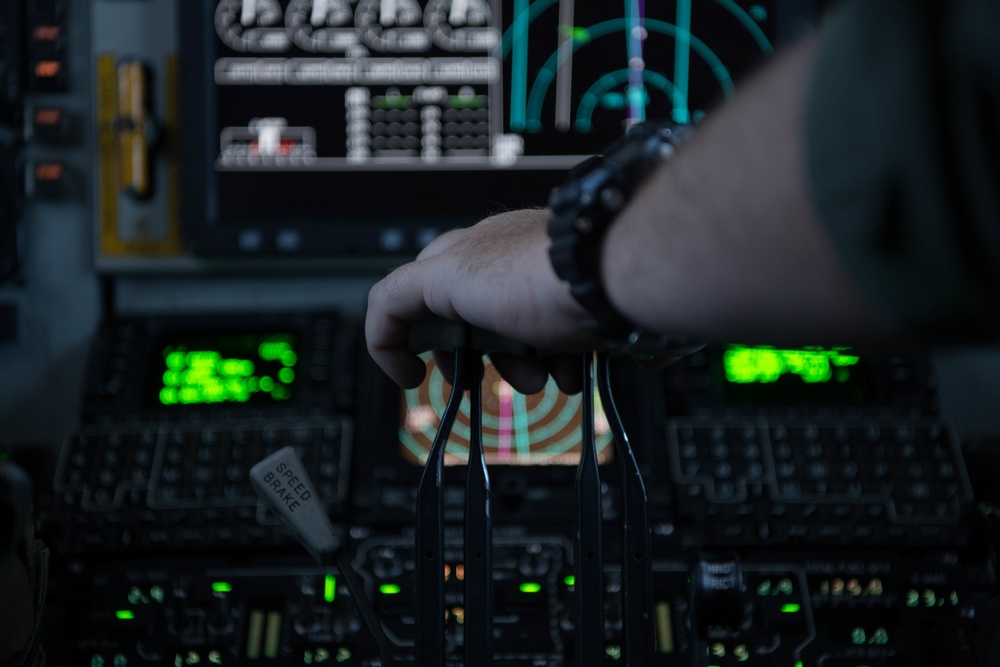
441 334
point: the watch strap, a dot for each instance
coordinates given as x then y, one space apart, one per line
587 204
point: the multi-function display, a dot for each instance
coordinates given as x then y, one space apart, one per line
383 122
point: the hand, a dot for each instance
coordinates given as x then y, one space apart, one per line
495 275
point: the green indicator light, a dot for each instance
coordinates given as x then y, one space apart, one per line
467 101
530 587
581 35
790 608
202 359
266 384
279 393
222 587
843 360
235 368
389 589
272 350
168 396
393 101
570 580
189 395
330 588
289 358
175 361
124 614
286 375
212 392
798 663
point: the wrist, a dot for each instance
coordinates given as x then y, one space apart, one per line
587 208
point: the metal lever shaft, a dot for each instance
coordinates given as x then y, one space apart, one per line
478 531
589 580
636 561
430 531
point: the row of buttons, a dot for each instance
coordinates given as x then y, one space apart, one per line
135 527
894 471
195 465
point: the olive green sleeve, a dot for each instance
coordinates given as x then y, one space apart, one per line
903 142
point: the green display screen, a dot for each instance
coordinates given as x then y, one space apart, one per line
764 374
225 368
765 365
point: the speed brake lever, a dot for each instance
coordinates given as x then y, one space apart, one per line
282 482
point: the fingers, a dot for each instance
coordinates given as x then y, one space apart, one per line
495 275
527 375
392 304
567 372
402 366
445 362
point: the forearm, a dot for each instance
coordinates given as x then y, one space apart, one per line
723 243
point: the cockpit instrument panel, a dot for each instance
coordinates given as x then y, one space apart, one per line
367 127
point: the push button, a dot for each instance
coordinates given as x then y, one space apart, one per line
47 180
50 125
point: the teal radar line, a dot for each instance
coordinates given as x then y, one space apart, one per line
526 102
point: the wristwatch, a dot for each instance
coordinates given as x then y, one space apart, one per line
585 207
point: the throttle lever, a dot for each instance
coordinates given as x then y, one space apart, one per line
440 334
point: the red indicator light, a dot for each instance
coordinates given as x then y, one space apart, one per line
48 116
50 171
48 69
46 33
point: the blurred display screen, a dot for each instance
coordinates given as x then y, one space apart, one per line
518 429
770 374
415 115
198 369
